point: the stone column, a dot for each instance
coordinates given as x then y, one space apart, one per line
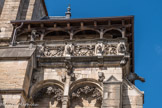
66 93
112 93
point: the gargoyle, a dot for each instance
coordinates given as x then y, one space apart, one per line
133 76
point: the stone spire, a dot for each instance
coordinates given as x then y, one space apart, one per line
68 13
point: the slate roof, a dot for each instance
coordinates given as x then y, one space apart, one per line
16 52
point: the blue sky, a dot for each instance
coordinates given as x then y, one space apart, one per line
148 35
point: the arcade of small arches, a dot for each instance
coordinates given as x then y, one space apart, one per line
82 34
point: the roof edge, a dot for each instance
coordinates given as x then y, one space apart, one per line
73 19
45 8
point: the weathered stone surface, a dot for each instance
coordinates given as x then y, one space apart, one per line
18 10
10 100
12 74
132 97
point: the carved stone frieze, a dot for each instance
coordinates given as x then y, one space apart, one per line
56 51
100 49
110 49
87 90
53 92
84 50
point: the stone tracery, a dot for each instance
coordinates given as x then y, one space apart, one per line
87 90
53 92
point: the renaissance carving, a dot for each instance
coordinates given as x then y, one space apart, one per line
100 49
101 76
53 92
122 48
84 50
69 49
69 67
110 49
33 35
88 90
56 51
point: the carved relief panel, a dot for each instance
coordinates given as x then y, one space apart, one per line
83 49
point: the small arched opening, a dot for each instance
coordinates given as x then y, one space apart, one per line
47 94
112 34
23 37
57 35
86 34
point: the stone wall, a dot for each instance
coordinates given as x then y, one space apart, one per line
80 73
132 96
93 72
47 103
10 100
18 10
12 74
10 11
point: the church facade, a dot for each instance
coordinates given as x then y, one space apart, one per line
59 62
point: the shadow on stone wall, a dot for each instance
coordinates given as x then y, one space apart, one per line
47 102
24 11
126 99
1 102
85 101
1 6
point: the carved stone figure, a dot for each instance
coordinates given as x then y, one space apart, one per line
69 48
63 77
73 77
46 52
99 49
122 48
42 50
101 76
123 61
69 67
33 35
